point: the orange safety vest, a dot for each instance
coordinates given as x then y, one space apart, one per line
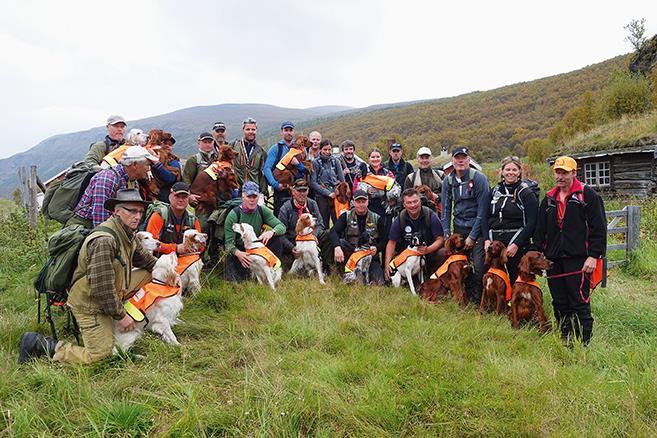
504 276
355 258
265 253
214 168
340 207
281 165
379 182
113 157
443 268
402 257
186 261
146 296
305 237
531 283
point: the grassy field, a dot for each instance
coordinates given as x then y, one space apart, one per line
335 360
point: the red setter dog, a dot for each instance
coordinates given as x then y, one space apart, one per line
218 179
425 191
285 177
526 295
342 200
496 281
450 277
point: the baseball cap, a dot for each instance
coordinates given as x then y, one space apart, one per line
114 119
300 184
219 126
204 135
566 163
250 188
460 150
287 124
360 194
180 187
249 121
395 147
134 153
423 151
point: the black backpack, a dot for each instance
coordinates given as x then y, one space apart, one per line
525 184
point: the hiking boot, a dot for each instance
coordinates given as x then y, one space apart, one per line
33 345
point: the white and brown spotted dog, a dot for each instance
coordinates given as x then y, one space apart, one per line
261 267
194 243
307 260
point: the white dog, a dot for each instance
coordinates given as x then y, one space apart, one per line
194 243
357 268
265 266
163 313
136 137
147 241
307 260
408 263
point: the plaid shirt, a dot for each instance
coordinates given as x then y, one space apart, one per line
102 186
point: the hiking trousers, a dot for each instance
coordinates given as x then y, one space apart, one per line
97 331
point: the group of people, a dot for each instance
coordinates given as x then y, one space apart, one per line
568 225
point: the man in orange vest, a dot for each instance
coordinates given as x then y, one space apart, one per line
572 232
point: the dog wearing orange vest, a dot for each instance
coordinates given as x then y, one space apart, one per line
265 266
450 276
496 285
190 265
162 303
526 294
357 268
218 179
407 264
307 260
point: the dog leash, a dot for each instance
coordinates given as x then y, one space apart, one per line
581 283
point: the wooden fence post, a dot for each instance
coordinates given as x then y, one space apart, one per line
633 228
32 208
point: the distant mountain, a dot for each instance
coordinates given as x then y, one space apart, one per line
56 153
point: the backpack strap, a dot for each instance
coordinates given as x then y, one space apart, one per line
117 256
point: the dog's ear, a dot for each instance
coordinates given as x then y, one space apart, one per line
503 256
449 246
489 255
524 265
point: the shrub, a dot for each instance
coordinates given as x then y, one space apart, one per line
626 93
537 150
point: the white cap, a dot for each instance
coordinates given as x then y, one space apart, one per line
113 120
135 153
424 151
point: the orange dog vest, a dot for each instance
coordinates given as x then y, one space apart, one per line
213 169
504 276
113 157
306 238
287 158
186 261
402 257
265 253
340 207
379 182
146 296
445 266
531 283
355 258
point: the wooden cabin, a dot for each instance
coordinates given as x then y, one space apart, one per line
630 171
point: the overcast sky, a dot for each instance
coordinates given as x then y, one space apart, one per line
67 65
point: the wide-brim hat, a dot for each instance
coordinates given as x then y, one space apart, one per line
125 195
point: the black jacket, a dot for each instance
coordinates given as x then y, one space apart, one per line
401 171
583 232
510 208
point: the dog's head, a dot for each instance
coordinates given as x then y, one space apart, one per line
246 231
136 137
496 251
455 244
365 240
343 192
301 142
306 224
147 241
155 137
194 241
534 263
226 153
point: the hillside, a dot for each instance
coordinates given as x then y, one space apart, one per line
58 152
492 122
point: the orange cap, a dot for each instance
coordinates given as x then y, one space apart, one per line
566 163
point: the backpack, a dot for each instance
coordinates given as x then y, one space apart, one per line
64 197
221 213
426 211
451 180
56 276
524 184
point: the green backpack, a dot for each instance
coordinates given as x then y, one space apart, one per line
61 199
163 209
56 276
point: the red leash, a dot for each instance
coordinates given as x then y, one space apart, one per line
581 284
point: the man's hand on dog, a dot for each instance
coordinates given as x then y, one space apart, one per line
264 237
243 258
338 255
469 243
127 324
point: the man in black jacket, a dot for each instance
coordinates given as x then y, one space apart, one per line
572 232
396 164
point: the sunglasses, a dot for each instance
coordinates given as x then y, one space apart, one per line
134 211
249 121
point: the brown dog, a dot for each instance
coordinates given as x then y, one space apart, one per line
450 277
496 280
425 190
217 180
526 295
285 176
164 152
342 200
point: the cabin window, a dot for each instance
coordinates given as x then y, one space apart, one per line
598 174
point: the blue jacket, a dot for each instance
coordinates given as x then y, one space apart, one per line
273 157
470 202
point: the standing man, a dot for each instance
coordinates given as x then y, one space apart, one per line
415 221
206 155
396 164
237 260
274 155
465 200
219 134
349 229
112 266
425 175
133 165
327 174
572 232
169 222
315 139
250 160
353 167
114 138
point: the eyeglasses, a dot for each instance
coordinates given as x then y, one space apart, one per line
135 211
